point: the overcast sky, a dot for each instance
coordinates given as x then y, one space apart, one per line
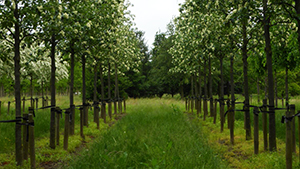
154 15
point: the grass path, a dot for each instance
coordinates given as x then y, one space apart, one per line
153 134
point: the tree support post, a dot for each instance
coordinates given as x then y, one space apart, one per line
31 138
23 104
256 130
8 107
81 122
288 139
265 124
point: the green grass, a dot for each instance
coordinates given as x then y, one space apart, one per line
154 134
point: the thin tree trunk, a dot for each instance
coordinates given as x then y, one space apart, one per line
232 106
258 90
31 92
286 86
72 108
211 99
196 94
85 108
297 8
205 91
103 111
222 95
18 132
109 93
96 103
116 89
246 83
268 49
52 90
200 90
276 94
192 93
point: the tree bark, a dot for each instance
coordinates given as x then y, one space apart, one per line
18 132
192 94
103 111
96 103
52 90
222 95
109 92
246 83
232 106
297 8
268 50
72 108
276 95
200 90
258 90
211 99
286 86
85 108
205 91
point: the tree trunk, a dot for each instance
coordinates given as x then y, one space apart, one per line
52 90
72 108
192 94
211 99
276 94
85 108
246 87
116 89
18 132
200 90
222 95
232 113
258 90
109 92
268 49
103 111
286 86
196 94
266 86
205 91
181 91
31 91
96 103
297 8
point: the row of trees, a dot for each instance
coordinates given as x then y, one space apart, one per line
213 37
54 40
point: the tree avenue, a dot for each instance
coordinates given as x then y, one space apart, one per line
214 31
212 51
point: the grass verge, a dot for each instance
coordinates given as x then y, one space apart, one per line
154 134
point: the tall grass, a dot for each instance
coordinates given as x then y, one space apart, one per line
154 134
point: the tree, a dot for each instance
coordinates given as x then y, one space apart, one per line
18 19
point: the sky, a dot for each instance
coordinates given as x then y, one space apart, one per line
154 15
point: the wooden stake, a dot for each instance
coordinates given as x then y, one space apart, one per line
8 107
265 124
81 122
57 125
288 141
256 130
31 139
67 129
